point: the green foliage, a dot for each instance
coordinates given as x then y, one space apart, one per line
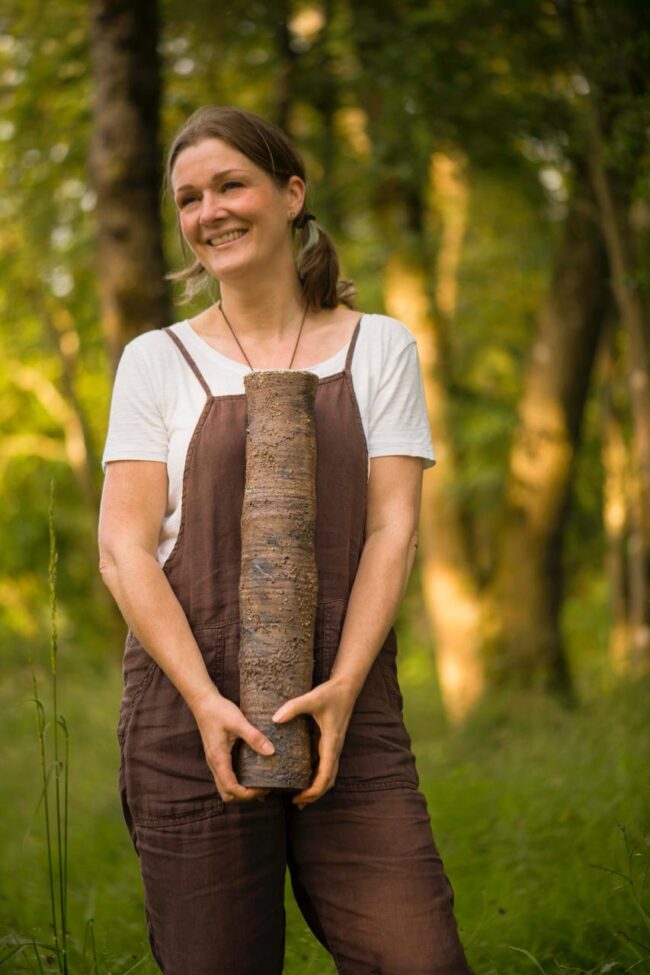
370 91
541 818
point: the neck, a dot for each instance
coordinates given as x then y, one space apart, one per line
272 308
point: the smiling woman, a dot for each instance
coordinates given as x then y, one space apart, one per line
222 158
357 839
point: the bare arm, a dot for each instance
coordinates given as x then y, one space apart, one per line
394 492
131 513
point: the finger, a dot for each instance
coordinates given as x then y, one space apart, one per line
242 793
256 739
291 709
230 789
226 781
323 781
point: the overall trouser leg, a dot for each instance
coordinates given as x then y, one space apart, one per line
371 884
214 891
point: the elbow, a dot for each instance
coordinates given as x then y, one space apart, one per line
107 567
111 559
410 557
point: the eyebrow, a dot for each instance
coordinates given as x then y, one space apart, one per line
214 179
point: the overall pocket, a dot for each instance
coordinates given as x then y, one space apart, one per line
137 670
166 777
377 752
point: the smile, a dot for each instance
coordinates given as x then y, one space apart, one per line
226 238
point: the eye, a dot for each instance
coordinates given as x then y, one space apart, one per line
231 182
184 200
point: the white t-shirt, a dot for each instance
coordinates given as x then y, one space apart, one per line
157 399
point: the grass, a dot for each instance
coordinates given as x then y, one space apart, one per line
541 819
541 815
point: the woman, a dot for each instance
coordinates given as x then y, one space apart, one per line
363 864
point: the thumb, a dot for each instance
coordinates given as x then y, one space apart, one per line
257 740
291 709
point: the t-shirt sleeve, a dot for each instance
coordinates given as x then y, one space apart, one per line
398 422
136 427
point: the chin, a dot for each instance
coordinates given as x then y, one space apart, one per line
236 270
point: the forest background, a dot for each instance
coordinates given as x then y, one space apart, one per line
484 170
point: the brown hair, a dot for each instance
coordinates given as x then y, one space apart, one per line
266 145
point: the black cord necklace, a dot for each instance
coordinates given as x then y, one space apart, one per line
295 348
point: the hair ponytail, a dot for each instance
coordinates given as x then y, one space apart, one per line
318 267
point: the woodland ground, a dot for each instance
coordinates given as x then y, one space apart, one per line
535 808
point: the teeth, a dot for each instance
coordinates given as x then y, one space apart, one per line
233 235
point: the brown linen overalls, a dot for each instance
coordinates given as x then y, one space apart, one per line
364 868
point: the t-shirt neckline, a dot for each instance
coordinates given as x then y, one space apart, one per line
242 367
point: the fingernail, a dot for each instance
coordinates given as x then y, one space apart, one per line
277 716
268 748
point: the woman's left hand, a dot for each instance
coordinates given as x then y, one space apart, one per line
330 704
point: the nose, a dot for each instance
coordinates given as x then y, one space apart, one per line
211 208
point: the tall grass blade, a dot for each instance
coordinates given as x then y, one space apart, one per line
529 955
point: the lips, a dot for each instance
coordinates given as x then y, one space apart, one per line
225 238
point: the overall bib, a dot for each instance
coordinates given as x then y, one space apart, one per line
363 864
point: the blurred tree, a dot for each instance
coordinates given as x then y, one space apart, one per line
125 165
53 383
512 66
609 43
440 139
529 586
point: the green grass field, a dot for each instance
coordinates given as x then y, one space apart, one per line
540 815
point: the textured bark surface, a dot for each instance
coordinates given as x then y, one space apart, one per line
279 582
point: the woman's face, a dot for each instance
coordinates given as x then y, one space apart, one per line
233 216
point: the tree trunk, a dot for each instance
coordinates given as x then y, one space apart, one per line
613 208
287 57
279 582
618 237
529 585
448 585
616 510
125 166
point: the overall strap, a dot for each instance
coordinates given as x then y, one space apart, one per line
353 342
188 358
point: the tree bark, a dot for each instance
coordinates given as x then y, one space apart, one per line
124 163
279 582
530 584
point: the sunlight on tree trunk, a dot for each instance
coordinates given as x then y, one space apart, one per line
451 599
620 240
616 514
530 585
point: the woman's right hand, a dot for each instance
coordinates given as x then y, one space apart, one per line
221 723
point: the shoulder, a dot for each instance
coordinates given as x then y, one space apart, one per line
384 342
386 333
150 354
151 344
